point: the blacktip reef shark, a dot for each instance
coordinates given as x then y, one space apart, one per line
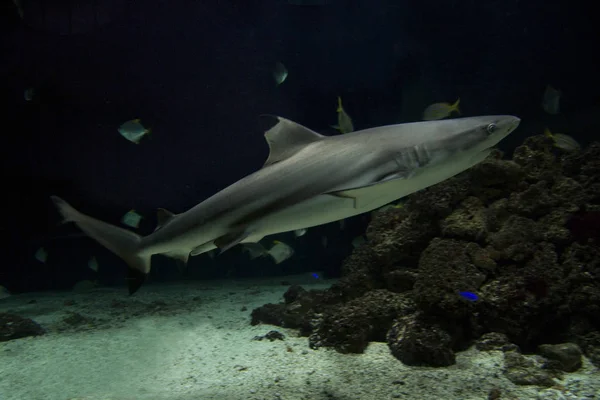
308 180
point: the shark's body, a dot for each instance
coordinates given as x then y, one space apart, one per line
308 180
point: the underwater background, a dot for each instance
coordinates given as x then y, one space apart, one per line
495 270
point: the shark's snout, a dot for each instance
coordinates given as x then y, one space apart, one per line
507 126
514 123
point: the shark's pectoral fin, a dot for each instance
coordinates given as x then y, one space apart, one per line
364 196
286 138
230 239
396 175
349 194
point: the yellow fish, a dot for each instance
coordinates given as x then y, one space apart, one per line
390 206
344 124
563 141
440 110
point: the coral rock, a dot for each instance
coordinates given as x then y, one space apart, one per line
350 327
15 327
418 341
526 370
566 355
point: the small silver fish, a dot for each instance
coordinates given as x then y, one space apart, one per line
132 219
28 94
85 286
280 252
280 73
551 100
255 250
133 130
299 232
93 264
19 8
41 255
358 241
4 293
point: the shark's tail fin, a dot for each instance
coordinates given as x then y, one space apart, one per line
120 241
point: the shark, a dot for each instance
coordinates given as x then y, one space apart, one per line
307 180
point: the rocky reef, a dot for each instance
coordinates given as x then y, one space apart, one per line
15 327
520 235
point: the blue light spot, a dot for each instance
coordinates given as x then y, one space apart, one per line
469 296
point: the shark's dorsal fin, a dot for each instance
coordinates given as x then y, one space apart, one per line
286 138
163 216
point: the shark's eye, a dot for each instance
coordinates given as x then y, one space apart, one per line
491 128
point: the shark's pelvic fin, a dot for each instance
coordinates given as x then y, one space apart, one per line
286 138
203 248
120 241
229 240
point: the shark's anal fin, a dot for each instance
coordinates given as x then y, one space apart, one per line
182 256
229 240
163 216
286 138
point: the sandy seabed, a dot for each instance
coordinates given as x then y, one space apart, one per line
194 341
